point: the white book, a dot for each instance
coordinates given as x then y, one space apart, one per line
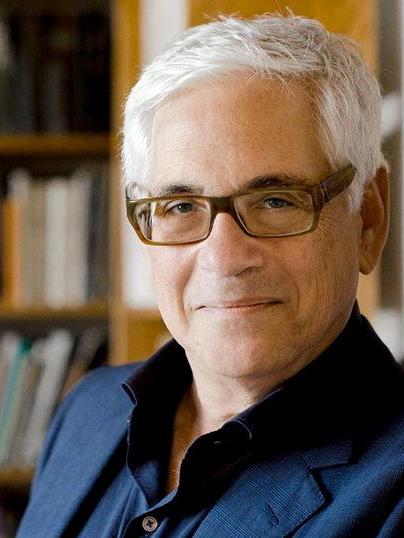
77 237
54 357
56 232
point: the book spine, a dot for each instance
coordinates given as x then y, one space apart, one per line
56 261
20 191
77 240
11 252
55 357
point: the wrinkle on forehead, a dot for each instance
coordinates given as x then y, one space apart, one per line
219 126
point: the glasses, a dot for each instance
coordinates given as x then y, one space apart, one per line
265 212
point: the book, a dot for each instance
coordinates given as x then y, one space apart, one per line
20 188
88 346
57 45
54 357
26 110
30 377
77 240
7 76
98 237
9 345
10 250
9 410
37 223
92 70
56 263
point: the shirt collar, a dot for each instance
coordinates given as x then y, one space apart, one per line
165 374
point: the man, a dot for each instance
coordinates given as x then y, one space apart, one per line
256 182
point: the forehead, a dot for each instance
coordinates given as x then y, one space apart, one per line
224 133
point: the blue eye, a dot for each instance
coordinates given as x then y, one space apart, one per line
276 203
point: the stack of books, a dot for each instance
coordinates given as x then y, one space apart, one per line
54 71
35 374
54 239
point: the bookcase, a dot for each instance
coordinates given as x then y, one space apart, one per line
64 144
65 68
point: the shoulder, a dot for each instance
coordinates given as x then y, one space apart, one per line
100 389
102 381
98 398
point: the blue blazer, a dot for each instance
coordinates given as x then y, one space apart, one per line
341 475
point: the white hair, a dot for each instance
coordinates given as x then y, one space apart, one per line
345 94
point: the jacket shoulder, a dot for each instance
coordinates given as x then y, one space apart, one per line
96 398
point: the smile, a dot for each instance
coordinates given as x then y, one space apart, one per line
239 307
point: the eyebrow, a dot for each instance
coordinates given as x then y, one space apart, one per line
259 182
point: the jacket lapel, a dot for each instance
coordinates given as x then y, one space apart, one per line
274 498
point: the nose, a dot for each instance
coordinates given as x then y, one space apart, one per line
228 251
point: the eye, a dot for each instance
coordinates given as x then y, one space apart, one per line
183 207
179 207
276 203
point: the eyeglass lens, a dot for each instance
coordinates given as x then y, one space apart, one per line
182 220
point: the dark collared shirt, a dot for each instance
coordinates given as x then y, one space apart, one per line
131 499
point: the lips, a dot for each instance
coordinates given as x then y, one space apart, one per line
239 304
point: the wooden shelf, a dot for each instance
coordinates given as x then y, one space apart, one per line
147 314
89 311
71 145
16 478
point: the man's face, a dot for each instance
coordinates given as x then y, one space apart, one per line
244 306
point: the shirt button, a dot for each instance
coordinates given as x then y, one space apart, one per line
150 524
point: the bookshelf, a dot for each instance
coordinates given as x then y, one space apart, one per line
90 311
58 151
44 145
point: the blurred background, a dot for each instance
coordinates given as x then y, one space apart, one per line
74 288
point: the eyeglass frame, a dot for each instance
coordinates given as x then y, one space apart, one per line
321 193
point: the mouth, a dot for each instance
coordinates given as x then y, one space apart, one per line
240 306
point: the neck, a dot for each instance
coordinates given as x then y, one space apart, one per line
208 405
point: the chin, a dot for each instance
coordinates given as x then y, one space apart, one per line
240 357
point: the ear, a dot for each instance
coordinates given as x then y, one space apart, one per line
375 220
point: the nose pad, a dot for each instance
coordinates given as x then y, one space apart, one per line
225 205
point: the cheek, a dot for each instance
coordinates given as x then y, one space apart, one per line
170 269
335 263
324 267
